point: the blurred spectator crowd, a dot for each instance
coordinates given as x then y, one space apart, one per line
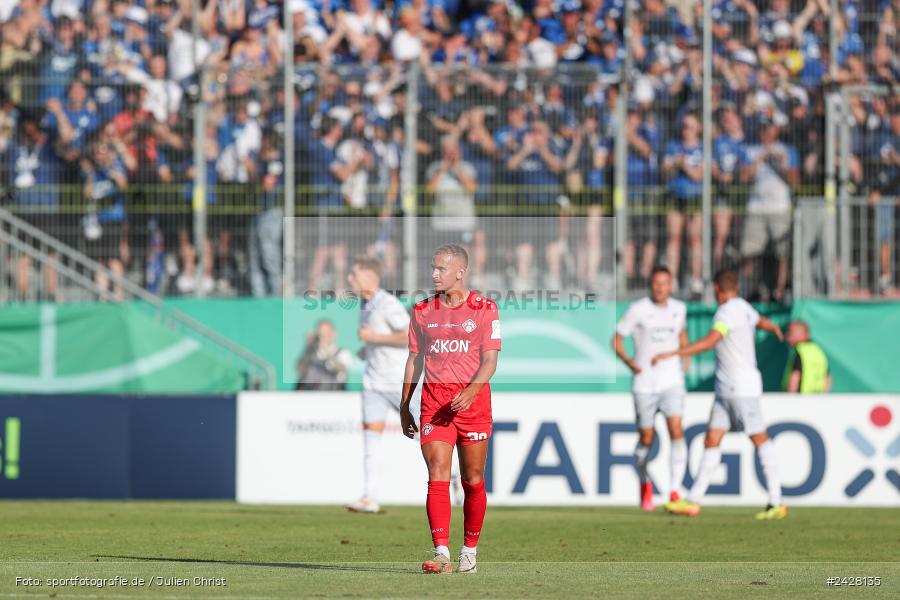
516 105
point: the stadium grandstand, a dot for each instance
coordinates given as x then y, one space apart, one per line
98 134
604 235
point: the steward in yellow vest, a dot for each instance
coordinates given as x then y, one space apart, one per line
807 367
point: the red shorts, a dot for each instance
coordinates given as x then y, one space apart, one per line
439 429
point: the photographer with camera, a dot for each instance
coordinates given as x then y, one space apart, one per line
323 364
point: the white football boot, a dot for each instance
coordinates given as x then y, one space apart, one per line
466 563
364 505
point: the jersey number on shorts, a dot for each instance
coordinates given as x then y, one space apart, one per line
475 436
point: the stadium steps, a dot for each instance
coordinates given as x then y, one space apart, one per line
76 274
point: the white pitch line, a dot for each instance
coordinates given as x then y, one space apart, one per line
102 378
55 594
279 564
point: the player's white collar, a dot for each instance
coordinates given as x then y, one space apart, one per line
661 306
376 294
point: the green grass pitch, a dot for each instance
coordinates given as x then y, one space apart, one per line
322 552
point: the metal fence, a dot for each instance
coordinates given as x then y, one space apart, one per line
700 176
38 267
845 253
868 157
566 253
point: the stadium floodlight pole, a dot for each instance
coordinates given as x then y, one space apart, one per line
620 184
706 197
831 112
290 193
408 178
830 107
843 194
199 196
833 41
796 250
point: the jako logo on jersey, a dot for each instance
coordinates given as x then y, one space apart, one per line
428 428
442 346
469 325
880 416
662 333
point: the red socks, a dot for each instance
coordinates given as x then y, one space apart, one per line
474 507
438 508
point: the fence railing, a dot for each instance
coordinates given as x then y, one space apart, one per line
443 141
37 266
845 253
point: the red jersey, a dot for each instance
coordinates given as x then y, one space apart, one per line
452 340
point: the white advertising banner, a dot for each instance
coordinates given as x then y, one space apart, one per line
572 449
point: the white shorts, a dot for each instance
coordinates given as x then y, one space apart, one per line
669 402
737 414
376 403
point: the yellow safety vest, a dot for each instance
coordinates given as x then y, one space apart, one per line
813 368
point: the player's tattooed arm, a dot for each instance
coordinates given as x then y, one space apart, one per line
770 326
464 399
682 342
708 342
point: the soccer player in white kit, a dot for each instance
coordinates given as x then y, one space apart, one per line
656 324
383 328
737 394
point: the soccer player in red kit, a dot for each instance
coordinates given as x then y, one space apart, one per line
455 337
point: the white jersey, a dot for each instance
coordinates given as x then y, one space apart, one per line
655 329
737 375
384 364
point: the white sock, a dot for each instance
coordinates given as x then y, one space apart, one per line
678 457
467 550
371 454
711 459
766 453
442 550
641 453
